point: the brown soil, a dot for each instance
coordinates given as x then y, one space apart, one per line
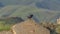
29 27
5 32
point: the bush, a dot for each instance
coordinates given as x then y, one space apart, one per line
58 29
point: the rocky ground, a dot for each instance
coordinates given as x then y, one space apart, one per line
27 27
6 32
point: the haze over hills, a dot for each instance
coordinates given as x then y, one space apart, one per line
49 4
17 2
24 11
46 10
46 4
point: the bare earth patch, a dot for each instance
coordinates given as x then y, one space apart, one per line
5 32
29 27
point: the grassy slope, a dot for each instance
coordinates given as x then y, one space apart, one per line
42 14
24 11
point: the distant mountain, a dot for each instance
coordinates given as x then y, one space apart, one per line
17 2
45 10
49 4
1 5
46 4
24 11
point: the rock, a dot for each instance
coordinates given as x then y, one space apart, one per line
5 32
29 27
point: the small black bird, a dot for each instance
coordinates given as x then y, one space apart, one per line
30 16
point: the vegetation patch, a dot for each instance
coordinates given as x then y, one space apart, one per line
5 24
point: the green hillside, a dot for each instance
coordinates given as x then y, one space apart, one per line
24 11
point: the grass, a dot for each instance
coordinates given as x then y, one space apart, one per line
4 27
58 29
23 11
